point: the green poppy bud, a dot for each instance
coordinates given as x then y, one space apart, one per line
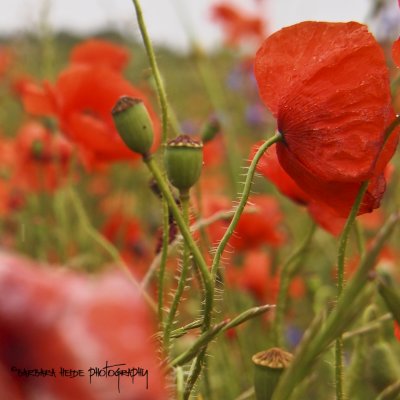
391 297
183 161
268 368
211 128
383 368
133 124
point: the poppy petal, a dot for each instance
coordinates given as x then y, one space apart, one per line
97 52
327 83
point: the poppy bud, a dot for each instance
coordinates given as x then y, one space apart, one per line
210 130
383 368
391 298
268 367
133 124
183 161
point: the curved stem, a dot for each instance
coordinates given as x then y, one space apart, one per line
288 269
184 197
340 282
242 203
197 256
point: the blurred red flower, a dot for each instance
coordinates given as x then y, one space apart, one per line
81 100
328 86
259 226
236 24
52 318
396 52
397 331
5 60
42 158
98 52
127 234
255 277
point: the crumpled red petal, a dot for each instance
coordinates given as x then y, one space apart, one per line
327 83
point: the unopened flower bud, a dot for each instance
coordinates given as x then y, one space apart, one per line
133 124
268 368
383 368
211 128
183 161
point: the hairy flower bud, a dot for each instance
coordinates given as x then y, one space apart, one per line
133 124
183 161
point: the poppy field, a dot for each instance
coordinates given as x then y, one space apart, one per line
219 224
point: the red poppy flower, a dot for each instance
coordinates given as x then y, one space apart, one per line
255 227
42 158
263 226
236 24
328 86
255 277
126 233
98 52
54 318
82 99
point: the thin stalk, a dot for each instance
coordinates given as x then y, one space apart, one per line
163 261
197 256
184 198
286 275
161 93
360 238
242 203
340 283
341 258
199 360
320 335
215 92
106 245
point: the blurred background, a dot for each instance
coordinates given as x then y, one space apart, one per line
92 16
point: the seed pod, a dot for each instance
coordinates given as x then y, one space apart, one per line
268 367
183 161
133 124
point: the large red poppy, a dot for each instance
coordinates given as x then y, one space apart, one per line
328 86
82 99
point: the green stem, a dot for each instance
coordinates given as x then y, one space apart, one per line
359 238
162 96
106 245
287 272
340 283
320 335
184 197
242 203
215 92
197 256
163 261
341 258
198 362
